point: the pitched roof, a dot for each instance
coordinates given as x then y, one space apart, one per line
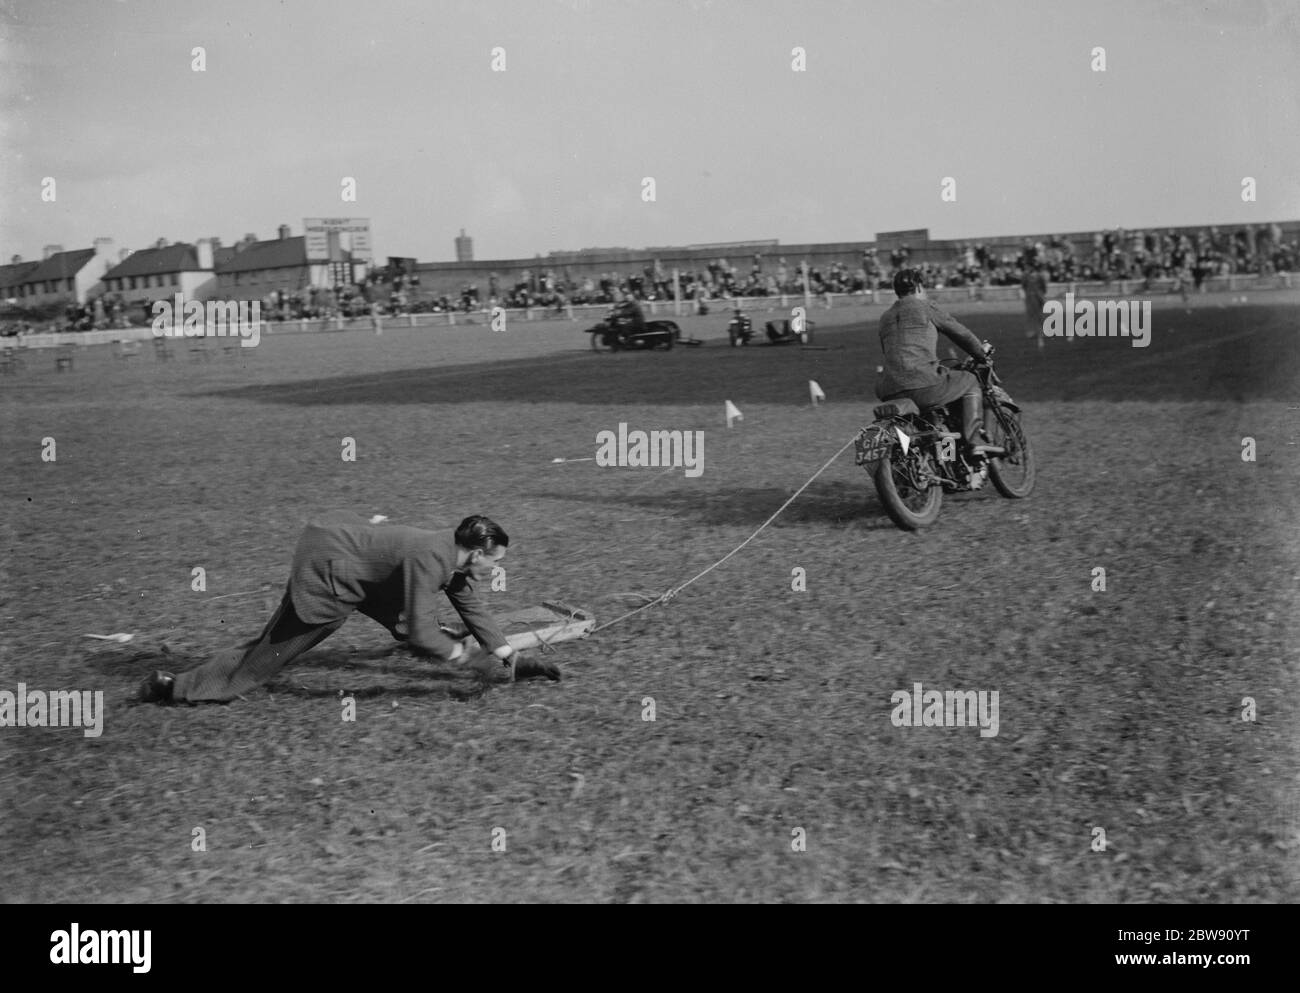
60 265
180 257
277 253
222 255
15 272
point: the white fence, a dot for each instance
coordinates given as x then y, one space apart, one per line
52 339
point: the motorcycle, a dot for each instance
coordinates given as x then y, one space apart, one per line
741 329
913 456
615 333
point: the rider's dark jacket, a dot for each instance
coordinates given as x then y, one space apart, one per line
631 311
909 334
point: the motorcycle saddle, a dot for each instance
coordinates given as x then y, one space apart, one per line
901 407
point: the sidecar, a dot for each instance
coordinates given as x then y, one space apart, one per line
779 333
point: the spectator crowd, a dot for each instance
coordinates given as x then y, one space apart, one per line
1149 256
1113 255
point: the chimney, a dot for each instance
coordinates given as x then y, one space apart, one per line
216 242
204 252
52 250
465 248
15 260
103 246
245 241
160 243
122 255
284 231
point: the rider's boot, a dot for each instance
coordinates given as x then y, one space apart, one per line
972 413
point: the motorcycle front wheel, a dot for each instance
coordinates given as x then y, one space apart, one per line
1013 473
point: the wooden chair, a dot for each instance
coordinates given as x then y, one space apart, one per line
64 356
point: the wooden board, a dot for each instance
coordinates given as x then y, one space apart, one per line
529 627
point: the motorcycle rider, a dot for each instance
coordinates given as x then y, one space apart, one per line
909 335
742 324
629 312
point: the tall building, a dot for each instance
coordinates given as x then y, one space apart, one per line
464 248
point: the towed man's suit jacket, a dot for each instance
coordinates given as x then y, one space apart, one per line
343 562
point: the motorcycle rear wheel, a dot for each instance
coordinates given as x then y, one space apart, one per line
907 507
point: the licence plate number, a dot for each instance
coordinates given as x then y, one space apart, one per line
874 445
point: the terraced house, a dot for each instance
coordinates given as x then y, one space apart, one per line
255 268
159 273
12 275
64 277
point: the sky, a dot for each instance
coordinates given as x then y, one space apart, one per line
595 96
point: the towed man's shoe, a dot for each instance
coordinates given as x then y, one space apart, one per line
157 687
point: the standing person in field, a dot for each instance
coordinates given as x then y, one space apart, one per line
909 335
392 574
1034 283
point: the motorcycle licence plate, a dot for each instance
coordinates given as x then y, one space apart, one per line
873 444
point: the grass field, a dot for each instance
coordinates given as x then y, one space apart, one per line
1119 710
